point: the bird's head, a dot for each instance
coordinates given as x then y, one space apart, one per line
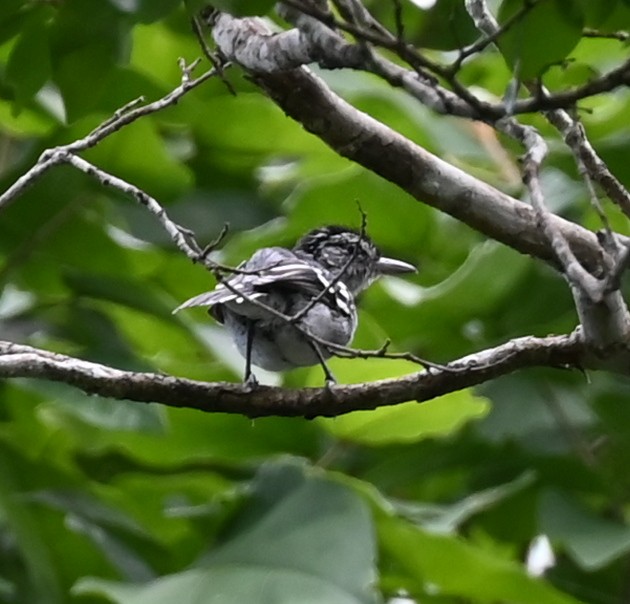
334 247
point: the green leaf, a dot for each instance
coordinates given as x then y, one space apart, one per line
596 13
301 539
446 26
447 518
449 566
198 437
617 18
36 554
125 155
543 36
82 77
593 542
88 41
28 122
407 422
250 124
28 67
119 289
490 269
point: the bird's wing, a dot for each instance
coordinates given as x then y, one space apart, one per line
266 268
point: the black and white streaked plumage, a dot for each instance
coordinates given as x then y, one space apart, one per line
287 281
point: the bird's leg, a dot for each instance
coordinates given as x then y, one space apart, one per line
330 378
250 378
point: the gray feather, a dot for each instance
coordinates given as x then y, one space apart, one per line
277 266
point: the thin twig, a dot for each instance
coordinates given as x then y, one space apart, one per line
123 117
490 38
215 59
382 353
622 36
431 71
398 20
210 247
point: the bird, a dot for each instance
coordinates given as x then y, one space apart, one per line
281 306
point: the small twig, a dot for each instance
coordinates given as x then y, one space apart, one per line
536 150
122 117
354 11
622 36
382 353
595 202
54 156
575 138
178 234
215 60
210 247
490 36
382 37
398 19
120 112
187 69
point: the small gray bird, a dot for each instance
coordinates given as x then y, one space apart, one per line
330 265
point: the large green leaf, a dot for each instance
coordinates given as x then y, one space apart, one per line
301 539
28 67
44 583
448 566
406 422
87 42
125 154
592 541
447 26
545 34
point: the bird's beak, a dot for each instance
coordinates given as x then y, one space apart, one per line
391 266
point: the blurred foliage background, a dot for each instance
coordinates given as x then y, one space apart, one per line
110 501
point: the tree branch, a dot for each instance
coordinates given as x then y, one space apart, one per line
472 107
20 361
357 136
124 116
602 310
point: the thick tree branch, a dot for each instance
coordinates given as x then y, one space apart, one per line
357 136
602 310
473 107
570 128
19 361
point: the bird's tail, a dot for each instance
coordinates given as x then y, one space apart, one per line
207 299
220 295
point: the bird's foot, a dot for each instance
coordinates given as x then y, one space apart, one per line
330 382
250 383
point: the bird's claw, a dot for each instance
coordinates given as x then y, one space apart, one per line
250 383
